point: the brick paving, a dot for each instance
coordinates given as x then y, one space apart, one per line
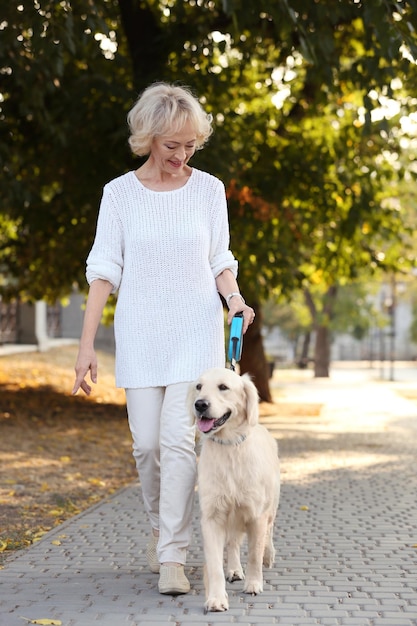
346 533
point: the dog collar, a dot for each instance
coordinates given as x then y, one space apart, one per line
229 442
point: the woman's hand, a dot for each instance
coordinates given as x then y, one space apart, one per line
86 361
228 288
236 305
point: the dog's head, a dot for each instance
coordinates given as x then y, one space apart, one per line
222 400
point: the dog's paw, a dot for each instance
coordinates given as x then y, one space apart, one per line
253 587
220 603
269 558
235 574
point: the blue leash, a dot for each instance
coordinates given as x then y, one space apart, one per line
234 352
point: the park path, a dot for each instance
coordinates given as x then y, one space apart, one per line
346 534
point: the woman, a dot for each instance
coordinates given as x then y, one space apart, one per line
162 242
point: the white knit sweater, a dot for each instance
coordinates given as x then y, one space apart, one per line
163 251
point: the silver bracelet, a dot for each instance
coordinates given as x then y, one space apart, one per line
232 295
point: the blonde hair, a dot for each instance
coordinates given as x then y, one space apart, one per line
163 109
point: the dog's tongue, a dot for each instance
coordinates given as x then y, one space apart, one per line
205 425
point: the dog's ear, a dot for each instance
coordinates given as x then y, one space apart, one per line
252 400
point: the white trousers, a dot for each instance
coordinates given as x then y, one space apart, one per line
164 450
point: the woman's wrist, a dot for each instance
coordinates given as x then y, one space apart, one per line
234 294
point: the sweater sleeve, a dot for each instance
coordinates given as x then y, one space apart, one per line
105 260
221 257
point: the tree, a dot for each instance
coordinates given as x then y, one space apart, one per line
319 198
336 219
62 132
291 88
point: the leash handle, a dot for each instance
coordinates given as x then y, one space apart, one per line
235 340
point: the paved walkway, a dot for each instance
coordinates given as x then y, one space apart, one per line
346 534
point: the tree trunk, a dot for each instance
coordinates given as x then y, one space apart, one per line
302 362
147 48
322 320
322 352
253 359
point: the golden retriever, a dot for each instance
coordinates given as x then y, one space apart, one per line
238 482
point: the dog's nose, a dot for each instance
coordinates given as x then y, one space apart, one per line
201 406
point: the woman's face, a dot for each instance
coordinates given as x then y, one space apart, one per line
172 152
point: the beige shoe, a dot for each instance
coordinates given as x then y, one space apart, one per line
152 556
172 580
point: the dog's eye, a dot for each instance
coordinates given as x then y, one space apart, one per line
223 387
198 387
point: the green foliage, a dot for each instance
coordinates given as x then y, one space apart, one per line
61 117
356 310
309 172
290 316
354 40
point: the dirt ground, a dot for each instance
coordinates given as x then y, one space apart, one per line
59 454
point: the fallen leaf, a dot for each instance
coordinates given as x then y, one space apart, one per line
3 546
56 542
40 533
304 508
97 481
44 622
